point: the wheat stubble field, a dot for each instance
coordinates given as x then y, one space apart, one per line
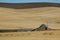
11 18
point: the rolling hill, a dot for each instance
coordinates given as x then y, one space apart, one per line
29 15
29 5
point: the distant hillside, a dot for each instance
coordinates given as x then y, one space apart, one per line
28 5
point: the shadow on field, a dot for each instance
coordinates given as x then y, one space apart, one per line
43 27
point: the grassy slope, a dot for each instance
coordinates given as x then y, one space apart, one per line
29 15
30 18
34 17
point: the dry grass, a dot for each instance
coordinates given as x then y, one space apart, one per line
30 18
42 35
22 18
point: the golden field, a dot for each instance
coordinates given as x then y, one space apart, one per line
30 18
42 35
